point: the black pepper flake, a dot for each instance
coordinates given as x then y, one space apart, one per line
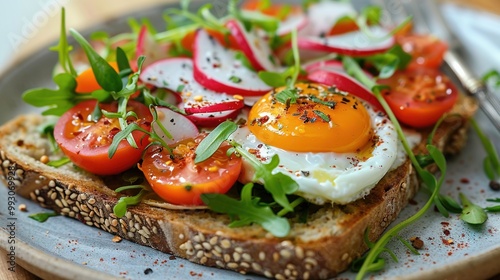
494 185
148 271
188 188
305 173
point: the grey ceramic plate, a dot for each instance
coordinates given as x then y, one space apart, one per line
65 248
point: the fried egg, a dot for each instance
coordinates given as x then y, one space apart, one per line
334 145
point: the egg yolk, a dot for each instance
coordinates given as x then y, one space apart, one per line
311 118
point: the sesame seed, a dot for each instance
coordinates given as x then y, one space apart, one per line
232 265
198 98
238 249
58 203
207 246
285 253
246 257
238 97
213 240
279 277
219 263
199 254
245 265
226 244
227 257
268 274
198 246
41 199
257 267
203 260
299 252
236 256
218 248
262 256
116 239
306 275
345 256
181 236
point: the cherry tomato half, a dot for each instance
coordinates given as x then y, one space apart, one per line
426 50
419 97
178 180
86 142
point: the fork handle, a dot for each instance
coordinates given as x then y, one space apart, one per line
489 105
464 75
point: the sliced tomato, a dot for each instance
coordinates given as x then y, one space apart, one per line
419 97
178 180
86 81
426 50
86 143
227 40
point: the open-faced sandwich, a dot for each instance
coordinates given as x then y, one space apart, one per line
277 140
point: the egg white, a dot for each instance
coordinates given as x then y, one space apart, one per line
329 177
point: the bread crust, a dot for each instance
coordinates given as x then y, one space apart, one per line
321 248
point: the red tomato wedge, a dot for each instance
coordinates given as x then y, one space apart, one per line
419 97
178 180
86 143
86 81
426 50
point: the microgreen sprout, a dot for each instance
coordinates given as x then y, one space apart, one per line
43 216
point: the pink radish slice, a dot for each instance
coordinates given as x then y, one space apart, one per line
215 107
216 68
212 119
255 48
330 65
344 82
355 43
291 22
147 46
179 126
176 74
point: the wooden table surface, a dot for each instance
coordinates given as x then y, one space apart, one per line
82 14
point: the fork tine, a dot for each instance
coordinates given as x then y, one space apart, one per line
428 19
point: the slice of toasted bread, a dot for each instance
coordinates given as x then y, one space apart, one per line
322 247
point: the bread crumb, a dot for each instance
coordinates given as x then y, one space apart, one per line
116 239
417 243
84 263
23 208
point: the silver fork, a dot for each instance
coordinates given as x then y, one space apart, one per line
427 18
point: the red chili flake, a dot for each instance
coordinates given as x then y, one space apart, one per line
171 258
445 224
450 253
446 232
101 259
464 180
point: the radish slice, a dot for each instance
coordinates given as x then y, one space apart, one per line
256 49
215 67
356 43
293 21
329 65
178 125
215 107
344 82
147 46
323 15
212 119
176 74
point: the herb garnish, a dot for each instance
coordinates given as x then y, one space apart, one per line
472 213
43 216
120 208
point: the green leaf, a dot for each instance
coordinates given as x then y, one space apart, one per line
42 217
493 200
278 184
493 208
105 75
122 135
212 142
387 63
120 208
59 163
472 213
122 60
248 211
274 79
450 204
63 48
287 96
492 161
59 101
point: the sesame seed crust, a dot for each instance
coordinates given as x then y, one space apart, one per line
321 248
